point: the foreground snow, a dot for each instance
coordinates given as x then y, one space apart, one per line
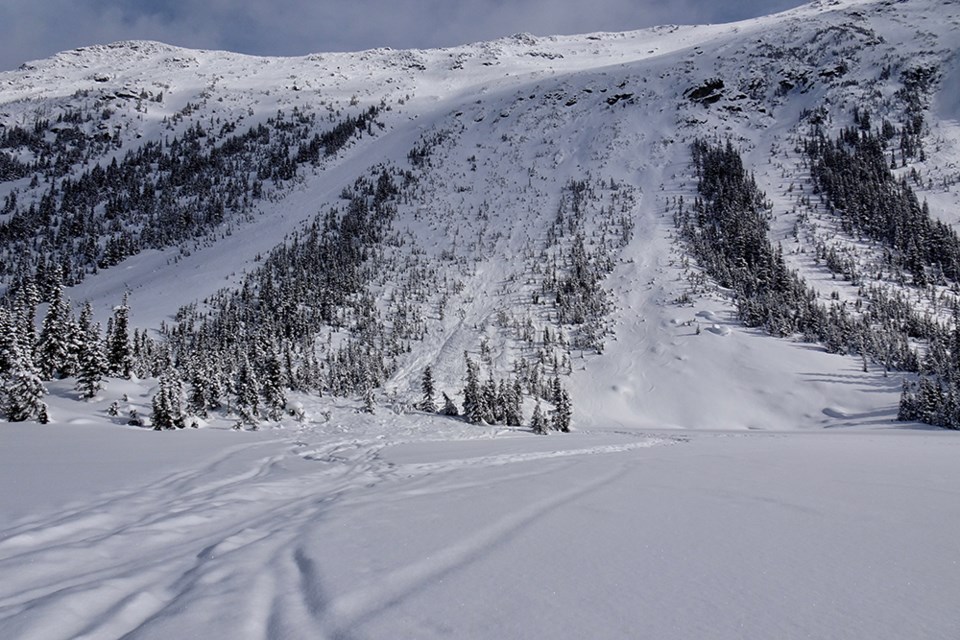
413 527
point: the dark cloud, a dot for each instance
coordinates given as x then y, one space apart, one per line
31 29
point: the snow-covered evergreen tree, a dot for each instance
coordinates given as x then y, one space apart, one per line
492 411
202 395
427 403
563 410
449 407
473 406
274 398
168 410
512 399
119 351
538 422
54 354
369 400
9 341
91 361
23 392
247 389
25 302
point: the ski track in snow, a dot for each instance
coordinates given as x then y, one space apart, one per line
117 566
352 530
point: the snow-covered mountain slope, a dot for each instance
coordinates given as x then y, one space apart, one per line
526 206
515 122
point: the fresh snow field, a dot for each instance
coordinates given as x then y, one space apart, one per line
392 527
719 483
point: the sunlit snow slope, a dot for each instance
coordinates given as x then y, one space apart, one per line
520 119
719 482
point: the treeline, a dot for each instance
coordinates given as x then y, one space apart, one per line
66 346
493 402
161 194
853 174
317 281
248 346
308 319
726 231
575 262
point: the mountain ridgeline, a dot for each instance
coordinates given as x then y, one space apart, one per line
485 223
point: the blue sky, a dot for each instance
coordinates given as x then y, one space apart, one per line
32 29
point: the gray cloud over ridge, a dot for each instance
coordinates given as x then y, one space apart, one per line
32 29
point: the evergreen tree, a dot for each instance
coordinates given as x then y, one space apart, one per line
369 399
427 403
473 409
9 341
492 412
205 393
512 399
562 412
273 382
91 361
54 353
449 407
538 423
23 392
168 402
247 389
119 353
25 303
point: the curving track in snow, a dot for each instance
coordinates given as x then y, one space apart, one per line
231 545
604 534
